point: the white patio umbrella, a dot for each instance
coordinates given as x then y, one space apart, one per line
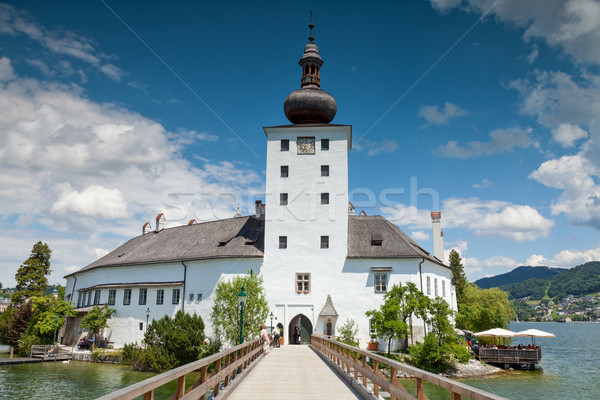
533 333
496 332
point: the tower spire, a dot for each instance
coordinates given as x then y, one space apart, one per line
311 26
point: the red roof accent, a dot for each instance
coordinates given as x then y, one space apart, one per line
436 214
192 222
146 224
159 216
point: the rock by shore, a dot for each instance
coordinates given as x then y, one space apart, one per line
472 369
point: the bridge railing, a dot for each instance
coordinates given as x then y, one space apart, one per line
353 362
228 364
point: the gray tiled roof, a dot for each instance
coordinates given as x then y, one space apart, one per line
395 243
244 237
226 238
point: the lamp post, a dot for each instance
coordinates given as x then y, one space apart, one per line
271 322
147 317
242 300
55 326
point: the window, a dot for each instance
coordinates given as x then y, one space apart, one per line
435 290
79 299
96 297
380 282
175 299
283 242
199 297
285 145
127 297
285 170
283 199
324 170
324 144
89 298
141 326
143 296
324 242
112 296
324 198
160 296
372 330
428 285
302 283
376 240
443 288
191 297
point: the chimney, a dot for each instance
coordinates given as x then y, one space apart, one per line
146 228
442 246
160 222
258 208
438 246
350 208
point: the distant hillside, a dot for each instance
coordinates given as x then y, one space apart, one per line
519 274
578 281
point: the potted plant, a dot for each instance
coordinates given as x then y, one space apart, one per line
281 337
373 345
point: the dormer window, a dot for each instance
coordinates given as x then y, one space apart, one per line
376 240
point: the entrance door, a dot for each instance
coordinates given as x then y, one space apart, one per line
299 330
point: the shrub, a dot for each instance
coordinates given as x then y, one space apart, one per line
348 331
435 357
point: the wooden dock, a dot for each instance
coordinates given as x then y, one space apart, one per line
18 361
51 352
510 357
292 372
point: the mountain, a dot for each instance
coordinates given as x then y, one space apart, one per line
578 281
519 274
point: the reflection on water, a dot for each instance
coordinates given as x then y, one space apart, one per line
567 371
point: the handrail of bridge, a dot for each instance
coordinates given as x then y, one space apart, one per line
353 361
228 364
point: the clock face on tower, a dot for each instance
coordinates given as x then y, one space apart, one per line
306 145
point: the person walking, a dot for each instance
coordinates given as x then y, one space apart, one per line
264 336
276 335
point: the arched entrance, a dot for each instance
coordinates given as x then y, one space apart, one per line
305 329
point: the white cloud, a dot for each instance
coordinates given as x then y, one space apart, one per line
420 236
6 70
502 140
565 259
484 184
567 134
533 55
485 218
574 175
63 43
94 201
433 115
374 148
114 73
88 175
571 25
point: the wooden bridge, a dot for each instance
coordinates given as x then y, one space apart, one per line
325 369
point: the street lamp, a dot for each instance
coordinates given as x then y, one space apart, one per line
271 322
55 326
242 300
147 316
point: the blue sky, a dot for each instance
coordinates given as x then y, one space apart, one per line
112 112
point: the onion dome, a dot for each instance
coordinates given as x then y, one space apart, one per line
310 104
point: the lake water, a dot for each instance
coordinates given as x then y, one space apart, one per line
569 369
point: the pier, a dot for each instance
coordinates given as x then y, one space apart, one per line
51 352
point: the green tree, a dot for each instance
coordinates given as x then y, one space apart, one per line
181 338
442 347
5 318
484 309
49 315
400 302
459 279
97 319
31 275
18 324
225 315
348 331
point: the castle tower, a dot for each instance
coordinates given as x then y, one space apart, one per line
306 216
